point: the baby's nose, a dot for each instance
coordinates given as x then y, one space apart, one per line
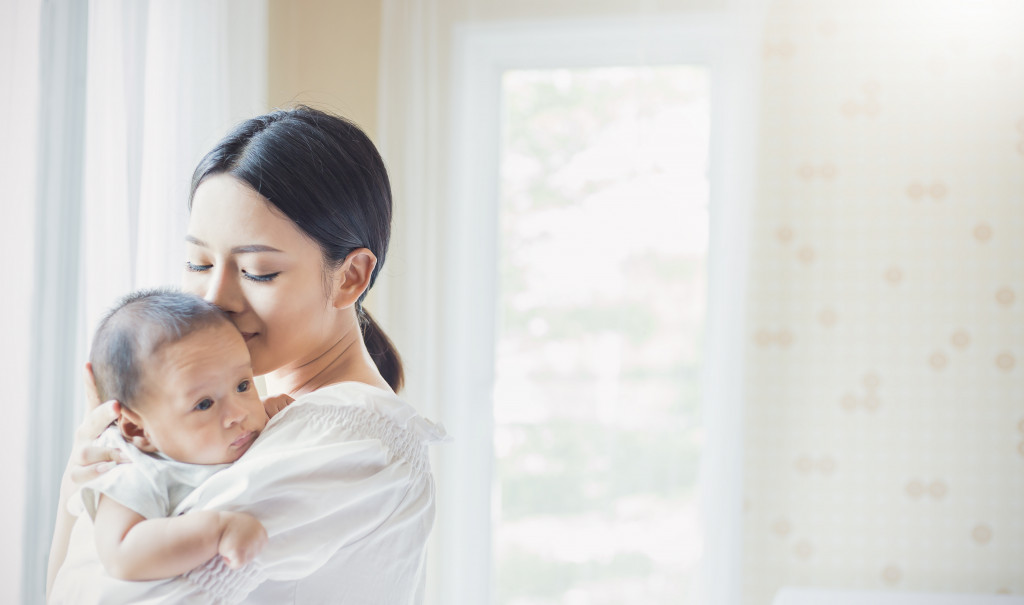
234 412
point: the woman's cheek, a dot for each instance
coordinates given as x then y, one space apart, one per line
192 282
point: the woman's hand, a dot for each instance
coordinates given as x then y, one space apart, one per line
88 461
242 537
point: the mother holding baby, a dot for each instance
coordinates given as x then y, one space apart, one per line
289 227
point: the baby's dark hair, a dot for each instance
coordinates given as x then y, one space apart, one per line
135 329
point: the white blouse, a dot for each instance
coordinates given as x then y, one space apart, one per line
340 479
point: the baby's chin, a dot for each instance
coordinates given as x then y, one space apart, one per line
213 461
232 453
230 457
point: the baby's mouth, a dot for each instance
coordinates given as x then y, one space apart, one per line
245 439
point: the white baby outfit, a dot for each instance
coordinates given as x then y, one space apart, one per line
153 485
340 479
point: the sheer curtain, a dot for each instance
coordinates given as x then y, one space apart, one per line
19 63
132 94
165 81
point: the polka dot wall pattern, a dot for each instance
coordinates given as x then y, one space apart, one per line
884 418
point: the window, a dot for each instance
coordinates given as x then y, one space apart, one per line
590 368
602 261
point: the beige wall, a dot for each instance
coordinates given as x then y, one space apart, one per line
498 10
326 53
885 409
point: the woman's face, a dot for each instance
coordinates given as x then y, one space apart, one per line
246 257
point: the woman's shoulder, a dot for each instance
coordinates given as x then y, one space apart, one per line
353 411
358 399
360 394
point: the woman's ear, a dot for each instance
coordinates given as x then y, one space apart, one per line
352 277
131 429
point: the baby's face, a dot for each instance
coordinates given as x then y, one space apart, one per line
199 403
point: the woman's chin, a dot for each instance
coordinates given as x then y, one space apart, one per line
259 368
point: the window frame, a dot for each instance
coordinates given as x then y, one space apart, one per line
727 43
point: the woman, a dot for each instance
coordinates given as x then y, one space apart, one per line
289 226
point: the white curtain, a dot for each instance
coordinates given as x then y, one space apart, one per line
165 81
19 64
410 122
100 208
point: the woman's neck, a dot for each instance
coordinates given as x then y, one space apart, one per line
345 360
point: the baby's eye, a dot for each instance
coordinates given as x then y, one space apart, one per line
204 404
190 266
243 386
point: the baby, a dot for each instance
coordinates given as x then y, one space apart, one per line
188 408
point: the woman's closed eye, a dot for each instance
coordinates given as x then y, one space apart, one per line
260 278
190 266
256 277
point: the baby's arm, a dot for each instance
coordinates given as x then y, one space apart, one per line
132 547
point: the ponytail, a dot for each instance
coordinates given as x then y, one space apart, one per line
382 351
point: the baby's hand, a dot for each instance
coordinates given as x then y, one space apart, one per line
276 403
242 537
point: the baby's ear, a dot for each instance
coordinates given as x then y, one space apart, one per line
132 431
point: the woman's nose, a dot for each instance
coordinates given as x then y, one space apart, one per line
223 291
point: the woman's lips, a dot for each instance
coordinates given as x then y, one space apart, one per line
247 336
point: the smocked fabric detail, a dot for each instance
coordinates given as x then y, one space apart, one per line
400 442
407 444
224 584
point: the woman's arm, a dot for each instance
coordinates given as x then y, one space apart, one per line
86 462
61 534
132 547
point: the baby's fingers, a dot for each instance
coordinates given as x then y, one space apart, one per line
276 403
242 554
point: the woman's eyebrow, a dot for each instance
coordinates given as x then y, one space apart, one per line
237 249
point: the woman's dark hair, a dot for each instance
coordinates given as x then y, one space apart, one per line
325 175
138 326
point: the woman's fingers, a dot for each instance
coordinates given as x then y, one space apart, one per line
81 474
87 460
96 420
92 395
92 461
93 454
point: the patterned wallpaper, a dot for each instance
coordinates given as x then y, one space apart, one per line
885 404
